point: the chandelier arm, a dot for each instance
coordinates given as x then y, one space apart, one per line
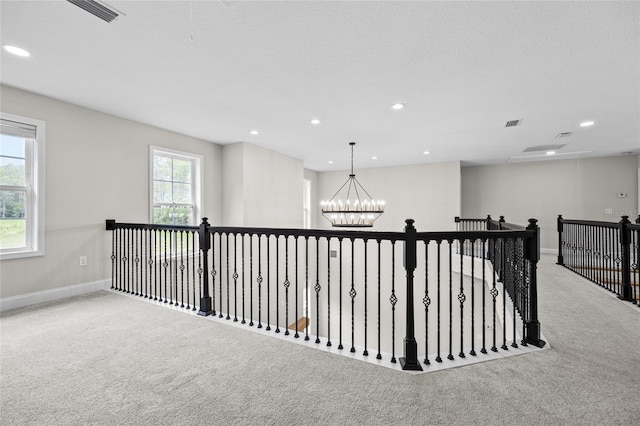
365 191
338 191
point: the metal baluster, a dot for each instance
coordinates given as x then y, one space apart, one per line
277 284
450 356
243 274
182 268
165 265
259 280
340 294
220 315
136 261
228 301
250 280
126 259
306 292
426 301
379 356
393 299
328 291
235 277
189 235
113 259
494 294
352 294
484 285
504 295
462 298
287 283
473 298
268 284
214 272
365 353
514 295
438 358
200 271
317 289
156 269
296 335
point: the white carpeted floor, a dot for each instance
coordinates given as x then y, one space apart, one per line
108 359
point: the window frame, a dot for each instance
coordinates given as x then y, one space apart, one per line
35 169
196 179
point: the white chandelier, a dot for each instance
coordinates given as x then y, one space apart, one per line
353 212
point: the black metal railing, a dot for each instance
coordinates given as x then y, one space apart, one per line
345 287
605 253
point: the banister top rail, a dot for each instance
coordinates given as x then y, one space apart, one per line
589 222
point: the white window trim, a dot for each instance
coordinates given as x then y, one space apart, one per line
197 185
35 229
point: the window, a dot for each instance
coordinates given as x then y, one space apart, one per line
175 187
21 186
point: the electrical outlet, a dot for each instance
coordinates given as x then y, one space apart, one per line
83 260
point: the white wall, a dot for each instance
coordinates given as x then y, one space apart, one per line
577 189
262 188
97 168
427 193
316 216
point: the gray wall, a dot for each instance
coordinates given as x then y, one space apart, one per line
577 189
97 168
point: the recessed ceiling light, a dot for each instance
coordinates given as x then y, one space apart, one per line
315 121
15 50
551 153
374 158
397 106
330 161
587 123
253 132
426 153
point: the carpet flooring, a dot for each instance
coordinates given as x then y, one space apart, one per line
107 359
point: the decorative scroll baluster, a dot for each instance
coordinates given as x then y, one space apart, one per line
259 280
182 268
165 265
393 299
243 274
214 272
286 285
426 301
136 261
515 291
317 289
235 277
494 294
462 298
228 301
250 280
450 356
505 280
352 294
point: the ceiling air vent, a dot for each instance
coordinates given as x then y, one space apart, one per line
96 9
563 135
513 123
544 147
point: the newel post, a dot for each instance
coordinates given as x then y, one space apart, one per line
532 254
625 245
205 245
410 359
560 256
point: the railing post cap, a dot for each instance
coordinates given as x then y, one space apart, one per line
205 220
624 219
501 219
559 216
410 222
533 222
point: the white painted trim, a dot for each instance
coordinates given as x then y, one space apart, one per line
549 251
14 302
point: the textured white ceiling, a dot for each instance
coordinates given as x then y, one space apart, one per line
462 69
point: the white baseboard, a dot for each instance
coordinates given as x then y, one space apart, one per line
14 302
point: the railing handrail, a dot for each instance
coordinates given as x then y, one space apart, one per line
523 239
589 222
